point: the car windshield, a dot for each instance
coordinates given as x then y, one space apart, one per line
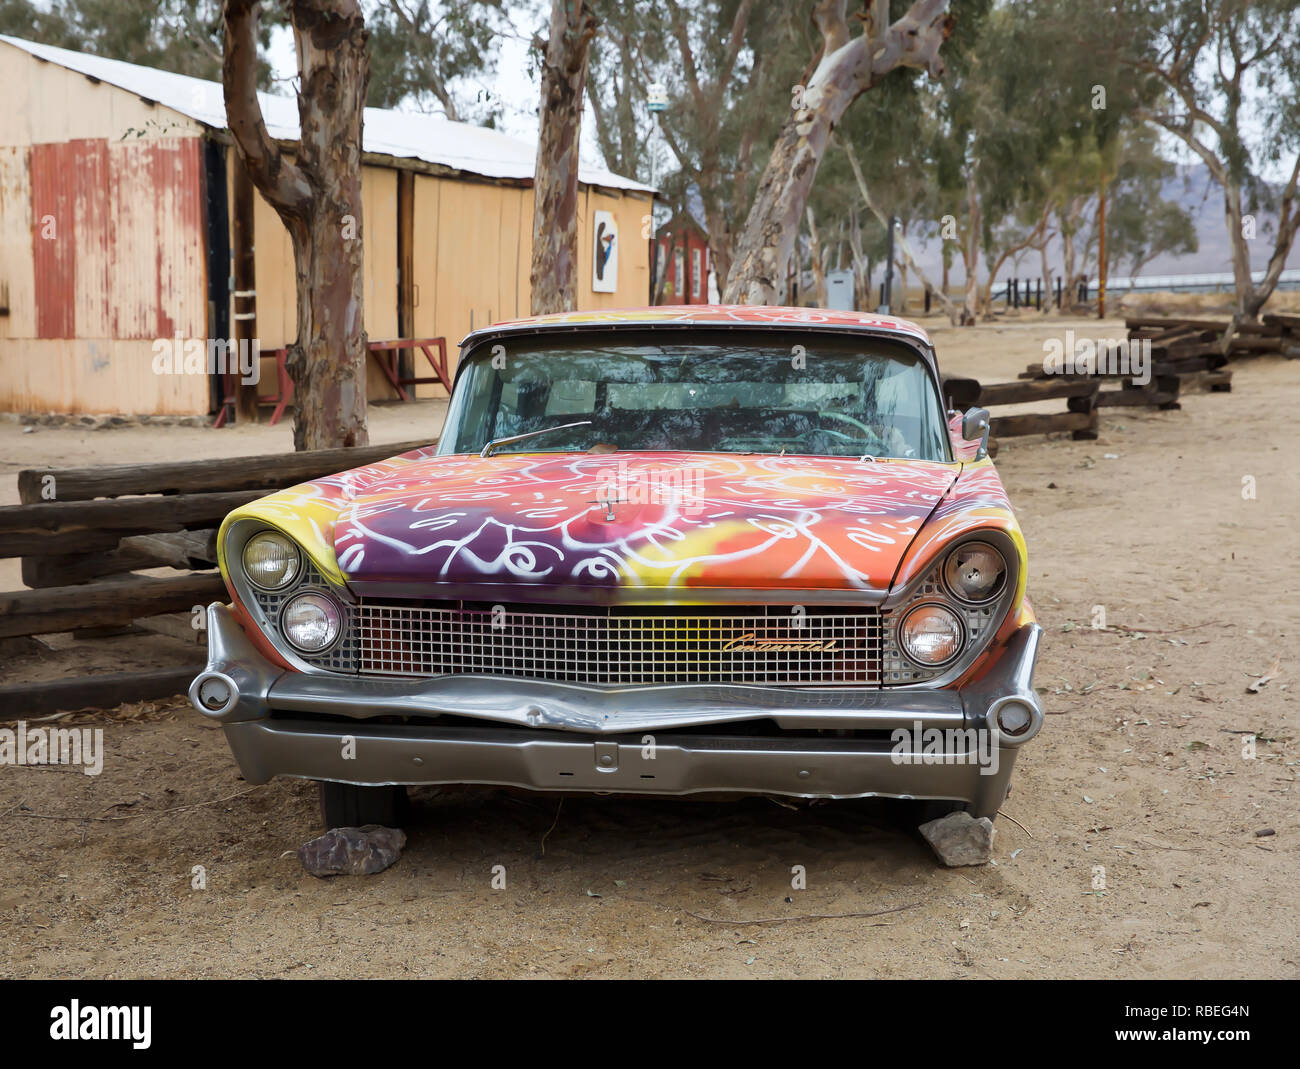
734 392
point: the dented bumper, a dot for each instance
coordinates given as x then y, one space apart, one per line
675 739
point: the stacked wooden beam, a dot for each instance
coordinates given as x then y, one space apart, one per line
1198 351
1079 417
1159 390
84 534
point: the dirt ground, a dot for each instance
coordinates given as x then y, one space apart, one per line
1138 778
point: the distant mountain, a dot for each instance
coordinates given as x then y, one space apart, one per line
1196 190
1201 196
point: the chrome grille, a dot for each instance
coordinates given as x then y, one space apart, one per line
766 645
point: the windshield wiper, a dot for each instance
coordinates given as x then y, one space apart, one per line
487 449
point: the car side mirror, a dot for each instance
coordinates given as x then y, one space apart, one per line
975 425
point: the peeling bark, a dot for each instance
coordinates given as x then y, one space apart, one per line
317 195
848 68
554 276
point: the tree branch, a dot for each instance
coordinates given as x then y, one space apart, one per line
949 308
688 56
283 183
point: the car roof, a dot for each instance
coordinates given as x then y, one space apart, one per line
708 315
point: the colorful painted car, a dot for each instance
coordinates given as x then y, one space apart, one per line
709 550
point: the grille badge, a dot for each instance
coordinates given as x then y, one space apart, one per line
750 643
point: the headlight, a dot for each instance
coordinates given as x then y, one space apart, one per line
975 573
271 561
931 635
311 622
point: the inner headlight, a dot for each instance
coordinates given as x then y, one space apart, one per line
311 622
271 561
931 635
975 572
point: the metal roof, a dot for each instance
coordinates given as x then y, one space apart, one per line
408 135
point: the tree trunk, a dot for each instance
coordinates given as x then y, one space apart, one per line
1013 250
849 67
970 252
1251 298
815 256
861 266
318 197
554 276
900 236
719 241
1288 224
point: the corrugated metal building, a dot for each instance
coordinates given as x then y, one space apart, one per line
117 198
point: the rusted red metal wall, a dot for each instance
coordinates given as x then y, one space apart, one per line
117 239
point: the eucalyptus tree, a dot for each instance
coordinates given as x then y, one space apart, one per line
1221 78
849 65
316 191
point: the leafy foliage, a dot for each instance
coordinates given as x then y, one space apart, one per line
182 36
429 54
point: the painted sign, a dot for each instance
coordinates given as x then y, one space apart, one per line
604 259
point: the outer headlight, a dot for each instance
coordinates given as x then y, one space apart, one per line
271 561
975 573
311 622
931 635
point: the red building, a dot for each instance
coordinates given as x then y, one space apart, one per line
682 256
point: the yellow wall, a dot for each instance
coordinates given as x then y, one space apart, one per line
277 304
473 256
472 252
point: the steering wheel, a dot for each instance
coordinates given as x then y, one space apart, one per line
869 434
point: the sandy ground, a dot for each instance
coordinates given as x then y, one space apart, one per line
1139 776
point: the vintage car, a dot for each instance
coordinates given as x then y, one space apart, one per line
709 550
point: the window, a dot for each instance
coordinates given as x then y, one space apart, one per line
695 272
732 391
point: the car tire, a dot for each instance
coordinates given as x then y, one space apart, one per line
347 805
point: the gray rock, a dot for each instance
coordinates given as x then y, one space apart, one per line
352 851
960 839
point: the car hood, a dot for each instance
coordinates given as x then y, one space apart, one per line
632 526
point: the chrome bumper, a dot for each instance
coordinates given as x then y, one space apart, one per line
554 737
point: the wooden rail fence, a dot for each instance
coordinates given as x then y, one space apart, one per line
85 534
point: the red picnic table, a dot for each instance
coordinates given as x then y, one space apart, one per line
386 354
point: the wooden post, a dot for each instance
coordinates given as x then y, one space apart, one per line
244 313
406 270
1101 251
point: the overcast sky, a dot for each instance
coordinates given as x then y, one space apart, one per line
516 88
